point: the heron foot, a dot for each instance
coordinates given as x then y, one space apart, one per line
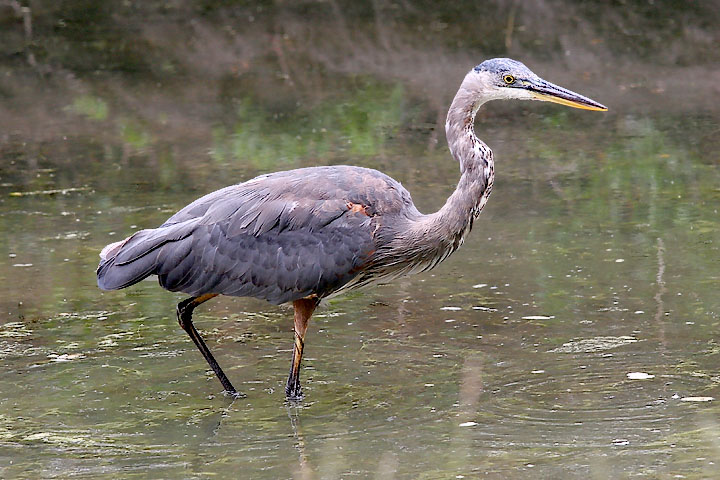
295 397
234 394
293 390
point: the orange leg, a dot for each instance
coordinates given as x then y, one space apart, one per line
304 309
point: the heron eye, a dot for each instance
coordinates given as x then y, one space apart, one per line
509 79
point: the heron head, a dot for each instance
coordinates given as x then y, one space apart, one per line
504 78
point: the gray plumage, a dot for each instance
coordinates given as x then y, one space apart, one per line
303 235
278 237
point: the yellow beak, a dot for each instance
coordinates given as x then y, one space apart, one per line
569 103
549 92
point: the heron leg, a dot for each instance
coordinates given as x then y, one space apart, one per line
304 309
184 315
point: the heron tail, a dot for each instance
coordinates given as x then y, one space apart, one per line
129 261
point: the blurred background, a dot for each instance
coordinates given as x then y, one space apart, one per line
575 334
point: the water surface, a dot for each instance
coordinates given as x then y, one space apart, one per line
574 335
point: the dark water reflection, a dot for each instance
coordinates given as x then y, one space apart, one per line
597 256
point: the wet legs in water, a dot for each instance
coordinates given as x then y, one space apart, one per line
184 315
303 310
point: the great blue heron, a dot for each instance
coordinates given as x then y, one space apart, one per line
302 235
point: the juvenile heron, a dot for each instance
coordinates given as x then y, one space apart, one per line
302 235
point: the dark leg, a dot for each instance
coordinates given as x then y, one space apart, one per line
184 315
303 310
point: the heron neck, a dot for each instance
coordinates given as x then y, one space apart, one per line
460 129
476 165
439 234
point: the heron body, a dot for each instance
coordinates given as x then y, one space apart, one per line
303 235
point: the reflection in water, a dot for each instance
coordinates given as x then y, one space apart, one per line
305 472
596 231
660 281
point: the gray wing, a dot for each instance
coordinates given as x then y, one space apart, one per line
278 237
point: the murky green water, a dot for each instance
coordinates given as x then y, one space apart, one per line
574 335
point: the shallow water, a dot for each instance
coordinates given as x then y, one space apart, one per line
575 334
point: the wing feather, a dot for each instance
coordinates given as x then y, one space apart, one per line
280 236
